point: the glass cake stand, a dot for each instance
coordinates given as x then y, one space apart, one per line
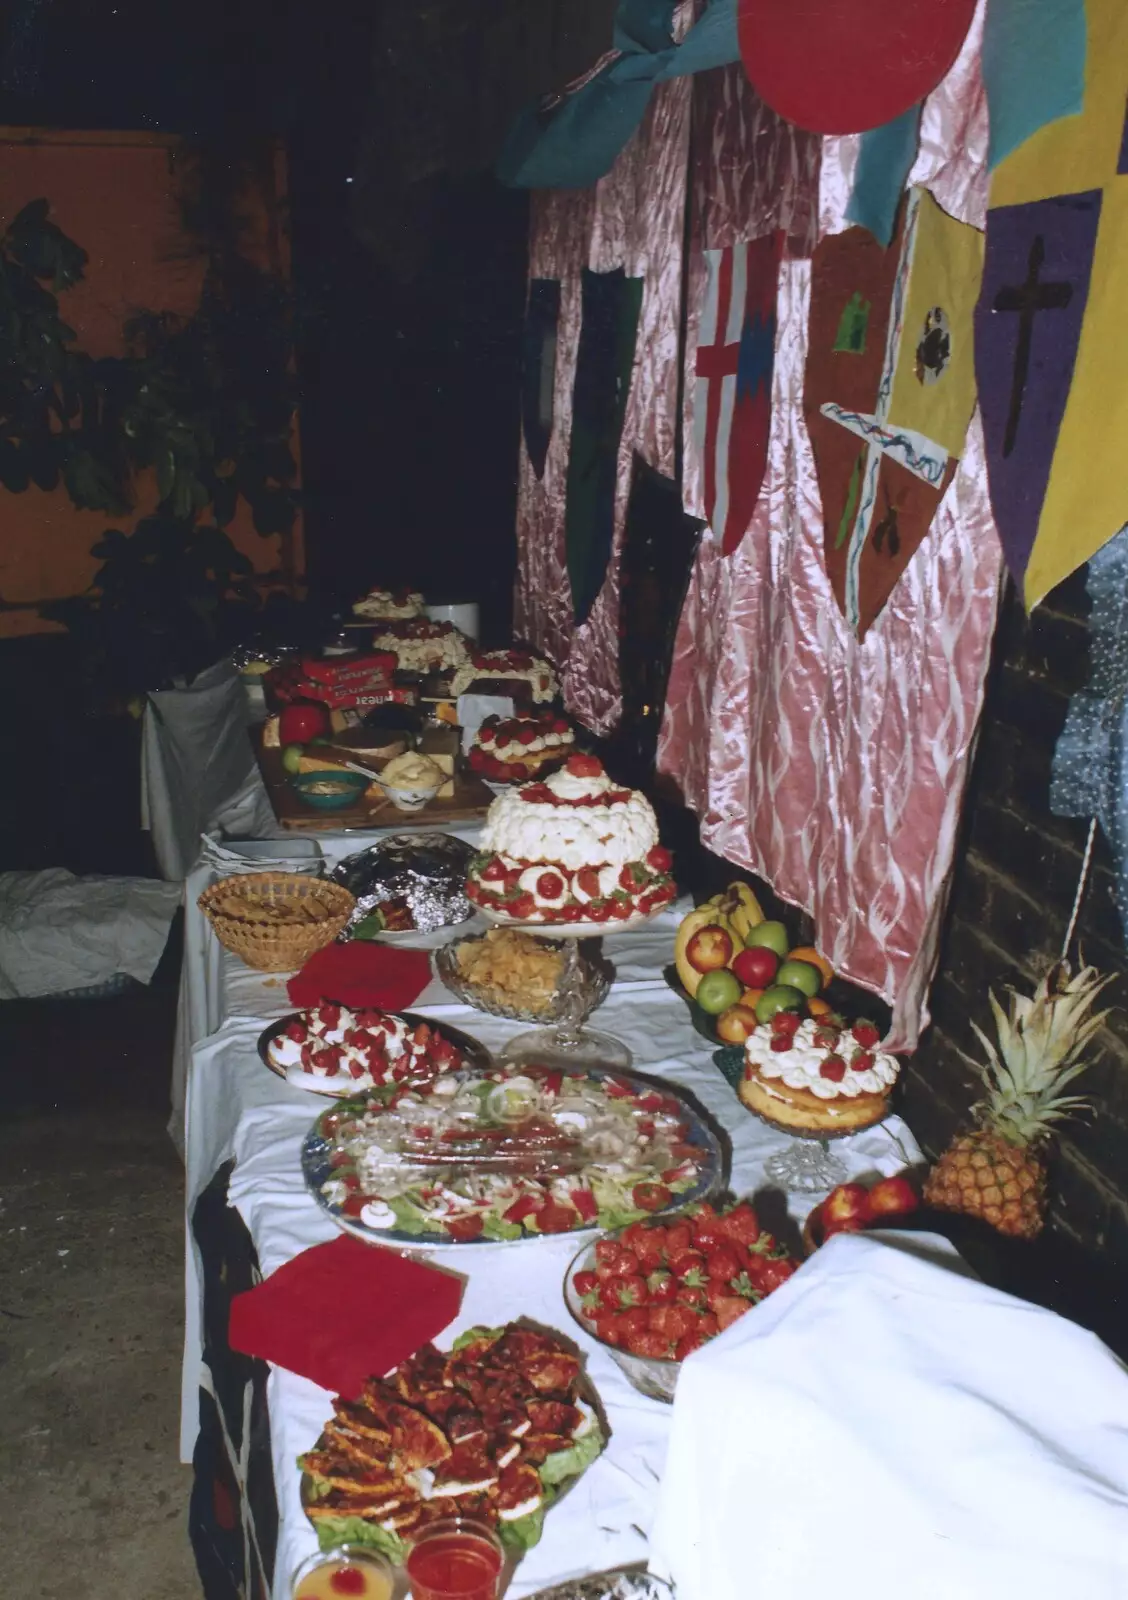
808 1165
567 1043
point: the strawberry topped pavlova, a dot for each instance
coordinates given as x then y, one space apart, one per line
575 848
336 1050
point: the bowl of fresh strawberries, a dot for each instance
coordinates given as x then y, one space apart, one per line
654 1292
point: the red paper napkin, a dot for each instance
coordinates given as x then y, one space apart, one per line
343 1312
362 974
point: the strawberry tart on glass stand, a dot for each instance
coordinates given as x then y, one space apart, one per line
815 1080
514 749
576 856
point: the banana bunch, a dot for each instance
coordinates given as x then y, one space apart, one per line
735 909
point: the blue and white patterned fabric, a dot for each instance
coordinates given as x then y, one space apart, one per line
1090 770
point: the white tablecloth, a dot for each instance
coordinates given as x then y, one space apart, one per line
885 1424
59 932
198 771
236 1107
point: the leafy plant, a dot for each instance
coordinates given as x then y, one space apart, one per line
170 598
205 402
53 422
208 401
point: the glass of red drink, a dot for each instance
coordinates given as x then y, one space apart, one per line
457 1559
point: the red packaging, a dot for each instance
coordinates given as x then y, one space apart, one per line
346 667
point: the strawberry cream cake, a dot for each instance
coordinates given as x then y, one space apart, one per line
575 848
423 646
817 1077
512 749
513 672
383 605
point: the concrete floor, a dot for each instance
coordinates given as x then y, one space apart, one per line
93 1500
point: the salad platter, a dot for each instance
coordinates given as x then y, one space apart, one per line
509 1154
333 1050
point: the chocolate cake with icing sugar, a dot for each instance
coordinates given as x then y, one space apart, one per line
506 672
575 848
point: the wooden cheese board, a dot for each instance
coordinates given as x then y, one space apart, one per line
469 803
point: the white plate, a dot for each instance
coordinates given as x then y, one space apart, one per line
573 930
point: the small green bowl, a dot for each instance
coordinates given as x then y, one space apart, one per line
330 791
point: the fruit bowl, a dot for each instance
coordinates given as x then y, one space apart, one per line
702 1021
650 1375
686 1276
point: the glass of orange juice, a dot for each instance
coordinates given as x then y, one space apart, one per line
347 1570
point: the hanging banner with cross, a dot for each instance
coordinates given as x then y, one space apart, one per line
732 398
889 390
1051 327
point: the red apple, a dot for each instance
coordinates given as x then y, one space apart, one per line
847 1225
709 948
849 1203
892 1197
756 968
302 721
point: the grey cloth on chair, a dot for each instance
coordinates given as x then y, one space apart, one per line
198 771
59 932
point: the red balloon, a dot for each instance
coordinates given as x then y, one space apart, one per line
842 66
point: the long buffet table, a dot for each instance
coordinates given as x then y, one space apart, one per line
234 1110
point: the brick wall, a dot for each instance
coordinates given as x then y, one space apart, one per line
1015 879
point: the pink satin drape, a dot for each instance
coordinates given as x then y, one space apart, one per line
634 219
835 768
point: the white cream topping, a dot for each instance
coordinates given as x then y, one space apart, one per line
574 836
569 787
383 606
799 1067
422 655
497 664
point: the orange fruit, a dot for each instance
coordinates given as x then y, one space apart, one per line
819 1008
808 953
750 997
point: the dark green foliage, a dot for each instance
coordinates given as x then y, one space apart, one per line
168 599
205 402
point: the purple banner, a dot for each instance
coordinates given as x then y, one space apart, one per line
1027 329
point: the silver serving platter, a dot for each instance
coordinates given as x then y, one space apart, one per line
317 1149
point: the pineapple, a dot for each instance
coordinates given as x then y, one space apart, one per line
997 1170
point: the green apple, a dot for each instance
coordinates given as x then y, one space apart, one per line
800 975
718 990
292 758
769 936
780 997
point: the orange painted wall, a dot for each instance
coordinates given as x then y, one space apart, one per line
115 194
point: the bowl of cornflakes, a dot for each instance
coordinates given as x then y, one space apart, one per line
509 973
